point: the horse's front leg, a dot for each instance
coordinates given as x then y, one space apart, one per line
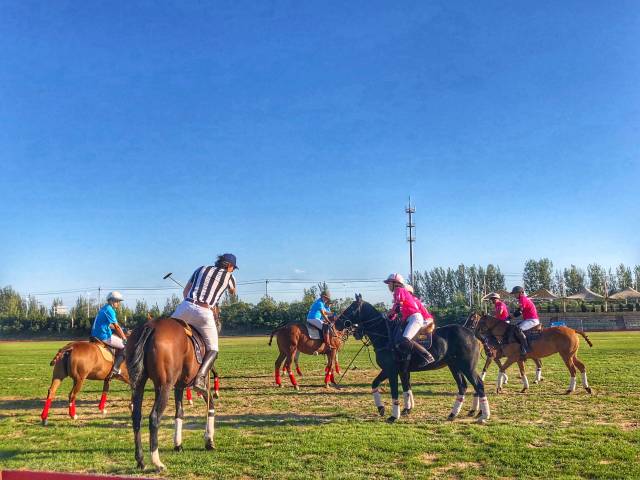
502 373
538 363
375 391
393 386
523 376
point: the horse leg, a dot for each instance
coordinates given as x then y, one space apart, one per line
407 394
279 361
487 363
296 357
189 396
523 376
328 369
462 389
77 385
136 420
55 383
337 364
504 375
568 361
375 391
480 397
210 425
538 363
177 435
583 370
288 362
393 386
216 384
160 403
103 398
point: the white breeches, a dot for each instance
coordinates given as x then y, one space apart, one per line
202 319
316 322
414 323
529 324
115 342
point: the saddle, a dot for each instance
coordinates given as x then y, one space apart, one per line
196 339
107 351
314 333
533 333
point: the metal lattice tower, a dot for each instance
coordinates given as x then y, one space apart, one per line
411 236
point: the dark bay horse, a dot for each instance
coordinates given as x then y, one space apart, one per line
453 346
293 338
160 350
81 360
561 340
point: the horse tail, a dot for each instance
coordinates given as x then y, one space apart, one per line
584 335
276 330
135 357
64 350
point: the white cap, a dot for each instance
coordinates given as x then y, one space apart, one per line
115 295
395 278
408 288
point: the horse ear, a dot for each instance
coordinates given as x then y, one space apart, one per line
359 297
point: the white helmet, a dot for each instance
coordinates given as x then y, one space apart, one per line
116 296
409 288
493 295
395 278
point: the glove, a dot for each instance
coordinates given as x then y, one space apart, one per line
517 313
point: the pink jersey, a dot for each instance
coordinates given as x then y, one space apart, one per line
529 311
423 310
502 312
406 301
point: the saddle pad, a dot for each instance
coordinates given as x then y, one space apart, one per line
313 332
532 335
196 338
106 352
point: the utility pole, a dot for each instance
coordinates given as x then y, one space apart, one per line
411 237
99 289
266 288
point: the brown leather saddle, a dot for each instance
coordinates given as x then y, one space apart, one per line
196 339
425 335
107 351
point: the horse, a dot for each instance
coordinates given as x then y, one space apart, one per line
293 338
561 340
496 352
453 346
160 350
80 360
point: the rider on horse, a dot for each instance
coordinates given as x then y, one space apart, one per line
104 327
406 307
530 315
318 317
201 294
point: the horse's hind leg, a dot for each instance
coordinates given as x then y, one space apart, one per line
77 385
407 394
538 363
462 389
480 398
296 357
583 370
58 376
210 425
288 362
393 386
216 383
375 391
523 376
103 398
487 363
177 435
136 420
568 361
279 361
160 403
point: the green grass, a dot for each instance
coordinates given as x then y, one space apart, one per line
265 432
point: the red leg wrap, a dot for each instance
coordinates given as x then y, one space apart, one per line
298 371
189 396
327 376
45 410
293 379
216 384
278 379
72 409
103 401
331 377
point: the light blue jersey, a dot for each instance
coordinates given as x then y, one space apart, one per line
315 312
106 316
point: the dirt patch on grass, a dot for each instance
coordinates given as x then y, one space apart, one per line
428 458
446 470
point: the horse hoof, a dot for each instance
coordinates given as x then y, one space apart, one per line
45 422
140 465
75 417
498 390
451 417
568 392
481 421
104 412
131 408
524 390
160 468
479 414
471 413
391 419
381 411
296 387
279 385
209 445
216 394
589 391
190 402
177 448
405 412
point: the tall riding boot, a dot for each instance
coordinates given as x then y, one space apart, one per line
524 344
200 382
325 336
423 351
115 370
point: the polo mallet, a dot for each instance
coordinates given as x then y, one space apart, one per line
168 275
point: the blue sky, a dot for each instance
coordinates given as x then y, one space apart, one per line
141 139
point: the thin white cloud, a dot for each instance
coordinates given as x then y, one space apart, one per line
298 270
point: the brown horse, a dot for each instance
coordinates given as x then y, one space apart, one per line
81 360
161 350
561 340
293 338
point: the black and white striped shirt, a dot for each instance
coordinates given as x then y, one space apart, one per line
208 283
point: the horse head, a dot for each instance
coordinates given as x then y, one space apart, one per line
348 320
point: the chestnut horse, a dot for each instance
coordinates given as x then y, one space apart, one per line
292 339
561 340
81 360
161 350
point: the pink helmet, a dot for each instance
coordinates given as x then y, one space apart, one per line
395 278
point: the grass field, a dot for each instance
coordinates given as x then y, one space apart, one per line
265 432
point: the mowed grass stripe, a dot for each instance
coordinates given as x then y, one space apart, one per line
265 432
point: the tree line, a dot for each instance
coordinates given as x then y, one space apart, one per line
450 293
